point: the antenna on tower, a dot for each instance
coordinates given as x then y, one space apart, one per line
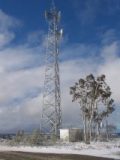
51 110
53 5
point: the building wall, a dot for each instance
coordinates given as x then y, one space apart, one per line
75 135
64 134
71 135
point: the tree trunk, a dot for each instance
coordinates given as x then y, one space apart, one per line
85 128
98 131
107 135
90 130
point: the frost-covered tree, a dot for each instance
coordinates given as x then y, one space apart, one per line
90 92
36 137
111 129
19 138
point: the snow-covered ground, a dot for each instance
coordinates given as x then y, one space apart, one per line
100 149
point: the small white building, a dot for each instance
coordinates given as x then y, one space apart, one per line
71 135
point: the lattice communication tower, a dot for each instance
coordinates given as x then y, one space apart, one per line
51 111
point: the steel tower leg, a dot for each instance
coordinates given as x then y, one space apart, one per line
51 110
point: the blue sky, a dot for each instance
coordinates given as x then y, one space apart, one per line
83 21
91 44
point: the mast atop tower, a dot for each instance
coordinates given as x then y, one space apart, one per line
51 111
53 5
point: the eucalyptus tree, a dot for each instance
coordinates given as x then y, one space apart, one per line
79 94
89 92
107 103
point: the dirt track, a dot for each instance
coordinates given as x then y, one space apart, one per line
38 156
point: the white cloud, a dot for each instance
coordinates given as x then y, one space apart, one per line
109 51
5 38
109 36
111 70
17 84
7 24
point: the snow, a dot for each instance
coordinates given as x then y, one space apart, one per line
99 149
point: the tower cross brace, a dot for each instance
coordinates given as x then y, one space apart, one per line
51 110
